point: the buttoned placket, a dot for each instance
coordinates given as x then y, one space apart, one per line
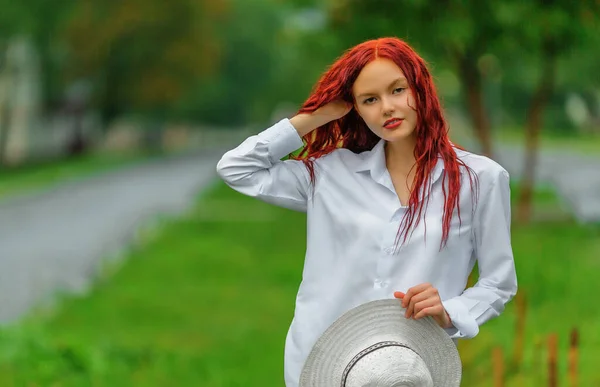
388 248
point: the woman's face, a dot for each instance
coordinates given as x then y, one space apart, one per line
384 101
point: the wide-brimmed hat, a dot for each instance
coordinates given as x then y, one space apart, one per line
375 345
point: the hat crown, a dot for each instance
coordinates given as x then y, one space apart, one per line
389 366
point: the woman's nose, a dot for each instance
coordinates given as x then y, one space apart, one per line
387 106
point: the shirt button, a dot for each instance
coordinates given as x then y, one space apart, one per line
389 250
378 284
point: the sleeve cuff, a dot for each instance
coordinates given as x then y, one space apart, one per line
464 325
281 139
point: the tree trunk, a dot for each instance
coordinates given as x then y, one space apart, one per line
471 80
78 144
4 108
532 132
4 129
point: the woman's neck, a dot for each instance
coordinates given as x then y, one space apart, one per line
400 155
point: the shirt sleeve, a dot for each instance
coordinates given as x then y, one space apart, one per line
497 282
255 168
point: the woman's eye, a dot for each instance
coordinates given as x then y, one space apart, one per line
369 100
398 90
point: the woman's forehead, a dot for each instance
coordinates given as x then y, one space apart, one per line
376 76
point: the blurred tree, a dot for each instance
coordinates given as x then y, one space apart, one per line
139 57
206 61
142 55
39 21
12 20
548 29
4 104
238 91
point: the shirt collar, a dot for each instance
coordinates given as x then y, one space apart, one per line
373 161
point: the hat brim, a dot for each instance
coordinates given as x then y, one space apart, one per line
374 322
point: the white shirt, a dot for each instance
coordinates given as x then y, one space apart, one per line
353 216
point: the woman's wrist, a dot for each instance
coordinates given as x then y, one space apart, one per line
448 320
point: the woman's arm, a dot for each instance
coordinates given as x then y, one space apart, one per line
497 282
255 168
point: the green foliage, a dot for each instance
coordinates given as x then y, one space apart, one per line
40 20
142 56
233 62
248 57
500 42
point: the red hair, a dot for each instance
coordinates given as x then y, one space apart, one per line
352 133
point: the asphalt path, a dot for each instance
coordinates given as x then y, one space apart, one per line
55 241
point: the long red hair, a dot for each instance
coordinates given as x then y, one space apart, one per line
352 133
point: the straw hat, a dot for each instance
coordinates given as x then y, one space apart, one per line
375 345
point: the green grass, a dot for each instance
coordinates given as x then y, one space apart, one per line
19 180
556 266
579 143
207 302
583 143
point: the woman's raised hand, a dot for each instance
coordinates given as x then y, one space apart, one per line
333 110
307 122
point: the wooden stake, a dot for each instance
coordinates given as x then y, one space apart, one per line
521 303
553 360
573 357
498 367
538 354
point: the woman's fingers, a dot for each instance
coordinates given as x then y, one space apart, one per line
432 309
421 301
412 292
417 298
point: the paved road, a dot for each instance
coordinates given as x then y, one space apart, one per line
55 240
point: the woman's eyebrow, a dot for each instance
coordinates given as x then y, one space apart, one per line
395 81
398 80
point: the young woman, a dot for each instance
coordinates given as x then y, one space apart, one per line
394 209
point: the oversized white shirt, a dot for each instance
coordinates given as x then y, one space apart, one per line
353 216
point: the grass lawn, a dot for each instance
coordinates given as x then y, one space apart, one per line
19 180
583 143
208 299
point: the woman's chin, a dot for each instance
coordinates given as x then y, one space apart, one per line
397 135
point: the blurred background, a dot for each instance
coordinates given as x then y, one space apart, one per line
124 262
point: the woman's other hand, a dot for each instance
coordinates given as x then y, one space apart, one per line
424 300
333 110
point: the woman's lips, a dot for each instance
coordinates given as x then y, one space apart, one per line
392 124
